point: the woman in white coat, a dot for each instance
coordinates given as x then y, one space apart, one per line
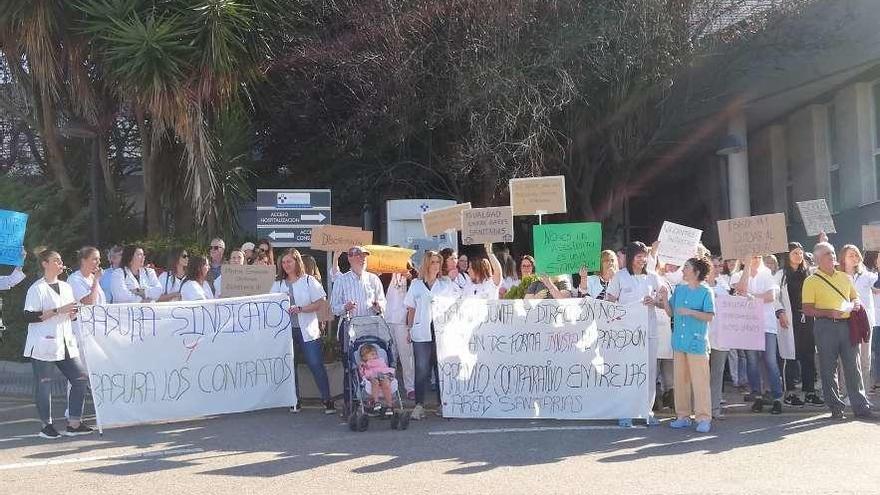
196 286
305 294
174 276
133 282
49 308
86 282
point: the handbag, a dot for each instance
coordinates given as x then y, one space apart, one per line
859 328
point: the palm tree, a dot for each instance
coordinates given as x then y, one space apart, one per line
172 65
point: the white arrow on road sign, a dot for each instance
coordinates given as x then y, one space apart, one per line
317 218
282 235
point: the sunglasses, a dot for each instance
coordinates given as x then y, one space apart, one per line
214 248
184 256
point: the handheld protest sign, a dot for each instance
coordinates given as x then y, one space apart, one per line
678 243
739 323
563 248
816 217
338 238
442 220
871 237
12 228
387 259
247 280
742 238
538 195
482 225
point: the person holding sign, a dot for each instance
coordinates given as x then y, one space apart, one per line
484 276
196 286
306 295
693 307
829 296
133 282
756 282
717 353
9 281
355 293
174 276
789 312
636 285
86 282
49 308
419 322
853 264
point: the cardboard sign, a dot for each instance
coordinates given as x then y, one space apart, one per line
439 221
816 216
12 228
739 323
247 280
677 243
482 225
546 358
744 237
563 248
538 195
338 238
386 259
871 237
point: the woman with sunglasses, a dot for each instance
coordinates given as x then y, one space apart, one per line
49 308
172 279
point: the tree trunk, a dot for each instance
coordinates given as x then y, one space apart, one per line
55 152
152 194
106 166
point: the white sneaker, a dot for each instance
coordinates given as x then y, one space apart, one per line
418 413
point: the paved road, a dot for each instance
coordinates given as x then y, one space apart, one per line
273 451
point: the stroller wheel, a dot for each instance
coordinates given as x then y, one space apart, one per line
363 422
353 421
404 420
395 420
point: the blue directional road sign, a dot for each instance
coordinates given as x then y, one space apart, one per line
286 216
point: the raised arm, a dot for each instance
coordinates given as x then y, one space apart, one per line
497 271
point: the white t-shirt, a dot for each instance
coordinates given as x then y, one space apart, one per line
762 282
193 291
483 290
46 339
303 292
170 283
419 298
632 289
462 279
864 282
82 287
395 311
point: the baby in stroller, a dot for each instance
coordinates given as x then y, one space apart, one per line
375 370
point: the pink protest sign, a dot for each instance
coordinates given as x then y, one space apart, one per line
738 323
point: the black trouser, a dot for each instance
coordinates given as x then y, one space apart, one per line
805 355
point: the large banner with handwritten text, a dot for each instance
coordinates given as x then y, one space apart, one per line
563 359
171 361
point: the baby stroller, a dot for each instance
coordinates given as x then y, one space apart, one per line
363 330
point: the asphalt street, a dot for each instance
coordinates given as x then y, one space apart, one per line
274 451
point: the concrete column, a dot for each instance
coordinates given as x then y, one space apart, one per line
738 170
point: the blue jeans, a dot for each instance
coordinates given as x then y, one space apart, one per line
73 370
875 355
425 362
314 355
768 356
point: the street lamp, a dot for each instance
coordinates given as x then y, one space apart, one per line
83 131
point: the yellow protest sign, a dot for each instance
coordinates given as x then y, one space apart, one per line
387 259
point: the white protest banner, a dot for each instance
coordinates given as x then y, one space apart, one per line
871 237
678 243
247 280
738 323
538 195
172 361
816 216
436 222
562 359
742 238
482 225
